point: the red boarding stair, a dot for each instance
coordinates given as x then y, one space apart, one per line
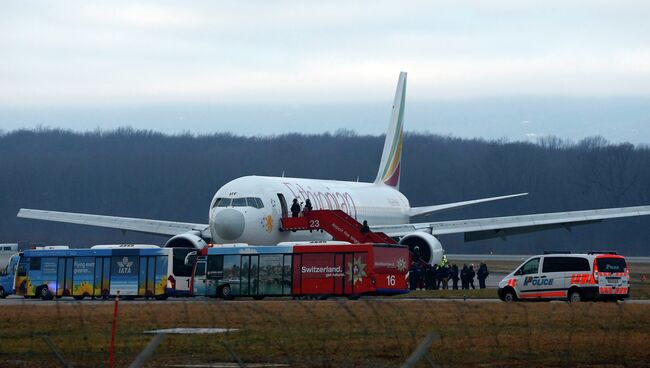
337 223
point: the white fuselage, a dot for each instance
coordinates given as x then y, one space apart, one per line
258 222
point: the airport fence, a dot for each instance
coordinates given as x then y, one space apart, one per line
373 332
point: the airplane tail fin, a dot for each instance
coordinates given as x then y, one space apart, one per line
391 157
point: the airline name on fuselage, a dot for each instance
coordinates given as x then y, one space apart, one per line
323 200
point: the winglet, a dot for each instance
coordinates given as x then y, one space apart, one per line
391 157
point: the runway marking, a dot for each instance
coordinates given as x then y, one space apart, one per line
188 330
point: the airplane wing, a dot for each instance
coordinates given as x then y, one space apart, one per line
427 210
501 227
123 223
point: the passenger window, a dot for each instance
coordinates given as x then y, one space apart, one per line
530 267
239 202
224 202
553 264
34 263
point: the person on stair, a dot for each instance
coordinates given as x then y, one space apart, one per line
308 207
295 208
365 229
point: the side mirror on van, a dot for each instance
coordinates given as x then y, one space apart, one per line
190 258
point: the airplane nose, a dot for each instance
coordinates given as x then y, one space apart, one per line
229 224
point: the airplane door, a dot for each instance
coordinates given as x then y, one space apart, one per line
199 279
283 205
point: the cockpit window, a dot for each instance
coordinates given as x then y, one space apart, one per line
254 202
239 202
223 202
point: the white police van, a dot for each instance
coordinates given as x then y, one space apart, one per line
574 277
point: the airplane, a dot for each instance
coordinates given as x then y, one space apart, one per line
248 209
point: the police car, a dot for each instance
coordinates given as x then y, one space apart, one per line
574 277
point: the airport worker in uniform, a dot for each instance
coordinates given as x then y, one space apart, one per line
463 277
470 276
445 276
482 274
412 277
295 208
428 277
440 276
454 276
308 206
444 262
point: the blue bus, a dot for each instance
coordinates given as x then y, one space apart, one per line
131 271
8 277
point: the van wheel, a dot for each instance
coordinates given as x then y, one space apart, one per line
2 293
226 292
509 296
45 294
575 296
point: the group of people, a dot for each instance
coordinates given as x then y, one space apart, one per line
295 207
428 277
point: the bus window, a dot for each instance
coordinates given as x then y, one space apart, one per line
22 269
286 275
98 277
35 263
179 267
215 267
231 272
106 277
200 270
161 274
245 275
270 280
124 274
83 274
142 278
254 275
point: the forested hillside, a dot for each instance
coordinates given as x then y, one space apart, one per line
151 175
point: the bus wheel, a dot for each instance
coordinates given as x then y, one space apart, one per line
258 297
78 297
226 292
575 296
45 294
509 296
2 293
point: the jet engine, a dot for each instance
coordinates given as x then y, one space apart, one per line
189 239
428 247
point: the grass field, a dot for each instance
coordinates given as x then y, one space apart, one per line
334 333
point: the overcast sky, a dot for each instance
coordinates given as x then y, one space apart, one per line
516 69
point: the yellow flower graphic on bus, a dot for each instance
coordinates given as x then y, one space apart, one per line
82 288
356 270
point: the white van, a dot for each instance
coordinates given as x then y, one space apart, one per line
574 277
